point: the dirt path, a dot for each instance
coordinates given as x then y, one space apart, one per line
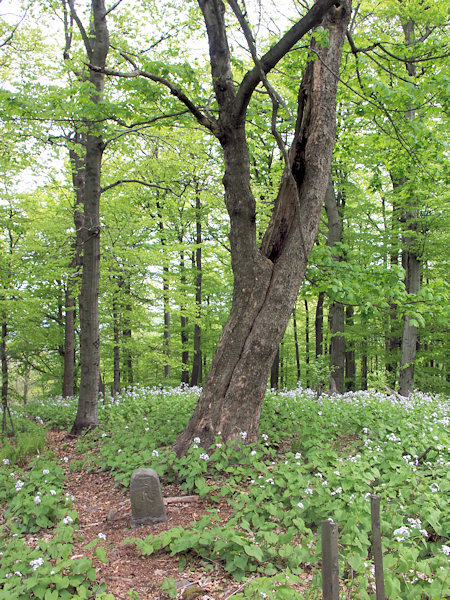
105 509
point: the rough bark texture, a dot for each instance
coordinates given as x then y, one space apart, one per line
97 50
266 279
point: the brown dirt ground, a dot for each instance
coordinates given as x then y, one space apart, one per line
103 507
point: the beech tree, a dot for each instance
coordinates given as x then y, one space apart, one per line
266 278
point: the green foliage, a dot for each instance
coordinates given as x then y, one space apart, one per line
345 449
29 440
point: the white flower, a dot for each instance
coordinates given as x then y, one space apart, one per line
298 455
155 453
401 533
446 550
102 536
434 487
67 519
218 445
204 457
243 435
308 491
300 505
104 435
19 485
338 491
5 461
253 452
18 573
45 472
196 440
37 500
53 492
65 459
37 562
265 437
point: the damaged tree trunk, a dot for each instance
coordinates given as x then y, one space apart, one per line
266 279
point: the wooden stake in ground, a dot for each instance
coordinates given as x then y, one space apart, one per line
330 565
377 549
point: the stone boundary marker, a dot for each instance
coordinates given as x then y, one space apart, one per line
147 504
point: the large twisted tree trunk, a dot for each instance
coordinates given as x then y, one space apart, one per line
266 279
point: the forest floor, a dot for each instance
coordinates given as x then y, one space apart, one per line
104 508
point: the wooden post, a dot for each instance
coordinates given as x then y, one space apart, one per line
377 549
330 566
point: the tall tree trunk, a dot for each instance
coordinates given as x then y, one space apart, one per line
97 46
350 359
5 379
166 316
183 320
336 314
411 260
77 161
116 349
196 375
266 279
318 324
364 369
275 371
127 336
307 355
297 349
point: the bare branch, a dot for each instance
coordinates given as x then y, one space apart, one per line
207 122
280 49
15 28
113 7
84 35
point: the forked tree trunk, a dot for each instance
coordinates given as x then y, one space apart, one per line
97 46
266 279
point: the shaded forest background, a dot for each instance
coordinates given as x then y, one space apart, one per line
375 299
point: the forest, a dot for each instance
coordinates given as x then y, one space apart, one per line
226 221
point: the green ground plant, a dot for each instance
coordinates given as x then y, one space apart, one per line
316 459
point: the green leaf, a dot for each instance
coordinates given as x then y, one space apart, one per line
254 551
100 553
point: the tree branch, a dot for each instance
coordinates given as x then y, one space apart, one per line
312 19
207 122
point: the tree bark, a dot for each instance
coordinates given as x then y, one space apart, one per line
196 375
318 324
77 161
116 349
183 320
411 260
266 279
275 371
350 359
97 46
